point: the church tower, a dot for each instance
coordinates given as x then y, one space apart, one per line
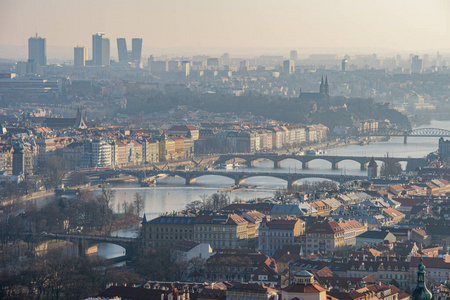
322 87
326 90
372 169
421 292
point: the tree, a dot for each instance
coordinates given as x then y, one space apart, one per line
155 264
53 171
390 168
196 268
179 270
395 283
138 203
194 205
105 200
77 178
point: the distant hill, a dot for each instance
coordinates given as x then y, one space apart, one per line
287 110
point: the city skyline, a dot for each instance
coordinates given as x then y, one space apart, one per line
250 27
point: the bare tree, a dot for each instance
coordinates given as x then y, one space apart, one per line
105 200
196 268
138 203
390 167
53 171
77 178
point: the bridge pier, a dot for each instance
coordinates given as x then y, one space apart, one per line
405 139
92 250
291 184
277 164
190 181
305 165
239 181
81 247
334 166
363 166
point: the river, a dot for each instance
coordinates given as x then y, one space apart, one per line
171 194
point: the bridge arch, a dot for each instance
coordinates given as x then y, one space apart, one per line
307 160
102 247
277 164
193 179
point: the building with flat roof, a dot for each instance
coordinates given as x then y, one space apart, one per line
80 55
100 49
37 50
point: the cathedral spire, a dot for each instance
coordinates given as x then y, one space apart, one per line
322 88
326 89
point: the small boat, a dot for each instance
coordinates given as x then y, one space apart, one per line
148 183
238 165
226 166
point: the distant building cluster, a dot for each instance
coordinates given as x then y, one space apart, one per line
112 148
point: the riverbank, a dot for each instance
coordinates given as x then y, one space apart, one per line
237 188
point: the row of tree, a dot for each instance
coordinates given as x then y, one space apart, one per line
58 276
213 202
160 265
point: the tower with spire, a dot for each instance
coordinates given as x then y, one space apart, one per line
421 292
372 169
322 96
322 87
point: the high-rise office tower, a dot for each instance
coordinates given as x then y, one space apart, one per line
80 56
100 49
122 50
293 55
37 50
289 66
344 65
226 59
186 68
136 50
416 65
244 66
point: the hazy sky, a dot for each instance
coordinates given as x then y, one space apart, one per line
410 25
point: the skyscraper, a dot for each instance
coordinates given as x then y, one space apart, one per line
122 50
37 50
80 55
100 49
344 65
293 55
289 66
416 65
136 50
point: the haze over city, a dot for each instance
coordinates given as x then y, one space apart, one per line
225 150
241 27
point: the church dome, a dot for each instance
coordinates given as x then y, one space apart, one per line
421 292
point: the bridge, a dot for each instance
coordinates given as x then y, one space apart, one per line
239 177
250 159
421 132
88 244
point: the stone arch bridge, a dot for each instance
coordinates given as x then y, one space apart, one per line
88 243
239 177
250 159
